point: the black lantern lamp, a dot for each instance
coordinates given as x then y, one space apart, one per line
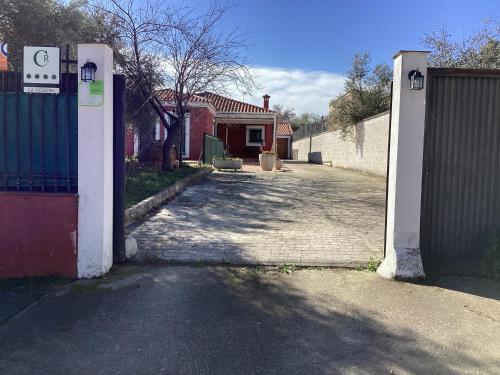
88 71
416 80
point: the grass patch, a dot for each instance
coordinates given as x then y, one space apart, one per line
260 270
149 181
287 268
370 267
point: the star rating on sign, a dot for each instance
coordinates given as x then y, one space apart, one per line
37 76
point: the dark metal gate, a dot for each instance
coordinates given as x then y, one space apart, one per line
461 170
38 137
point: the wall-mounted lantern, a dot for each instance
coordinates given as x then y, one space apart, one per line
88 71
416 80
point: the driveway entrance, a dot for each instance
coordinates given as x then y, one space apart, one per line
308 215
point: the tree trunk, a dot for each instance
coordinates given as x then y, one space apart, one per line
167 146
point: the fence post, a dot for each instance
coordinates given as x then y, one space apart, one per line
95 168
403 259
309 157
204 146
119 168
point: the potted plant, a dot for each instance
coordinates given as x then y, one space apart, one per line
278 164
267 160
227 163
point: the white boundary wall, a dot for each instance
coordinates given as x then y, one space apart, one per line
366 151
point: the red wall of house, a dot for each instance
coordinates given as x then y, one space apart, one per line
129 142
38 234
236 139
201 121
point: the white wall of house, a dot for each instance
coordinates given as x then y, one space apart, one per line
187 135
366 152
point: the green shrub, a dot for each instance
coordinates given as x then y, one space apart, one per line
490 262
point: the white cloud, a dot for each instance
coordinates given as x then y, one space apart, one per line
302 90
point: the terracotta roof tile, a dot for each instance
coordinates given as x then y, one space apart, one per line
168 95
284 128
223 104
220 103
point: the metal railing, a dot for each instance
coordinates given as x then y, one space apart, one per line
309 130
38 137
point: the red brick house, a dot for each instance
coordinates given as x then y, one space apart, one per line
241 126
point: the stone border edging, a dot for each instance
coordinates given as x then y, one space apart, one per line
142 208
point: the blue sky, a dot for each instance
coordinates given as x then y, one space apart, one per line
300 49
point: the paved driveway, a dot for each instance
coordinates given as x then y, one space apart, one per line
307 215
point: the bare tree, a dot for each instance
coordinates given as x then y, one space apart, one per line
140 27
169 47
284 114
200 57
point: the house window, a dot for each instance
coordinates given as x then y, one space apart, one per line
255 135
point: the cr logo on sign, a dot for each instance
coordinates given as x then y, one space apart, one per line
41 58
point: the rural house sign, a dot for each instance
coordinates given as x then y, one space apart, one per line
3 57
41 69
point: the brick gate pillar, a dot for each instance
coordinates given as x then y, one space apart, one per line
95 164
402 259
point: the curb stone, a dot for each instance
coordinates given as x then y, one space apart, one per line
142 208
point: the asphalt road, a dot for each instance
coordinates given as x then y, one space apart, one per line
221 320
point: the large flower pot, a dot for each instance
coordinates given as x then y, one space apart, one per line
228 163
267 161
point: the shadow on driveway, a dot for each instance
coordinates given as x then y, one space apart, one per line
219 320
313 215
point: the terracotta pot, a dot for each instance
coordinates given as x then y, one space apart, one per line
278 164
267 161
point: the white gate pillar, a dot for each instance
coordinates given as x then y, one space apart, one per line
403 259
95 164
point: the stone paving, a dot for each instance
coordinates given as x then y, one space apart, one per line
307 215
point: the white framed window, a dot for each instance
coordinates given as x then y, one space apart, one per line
187 131
157 131
256 135
136 142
